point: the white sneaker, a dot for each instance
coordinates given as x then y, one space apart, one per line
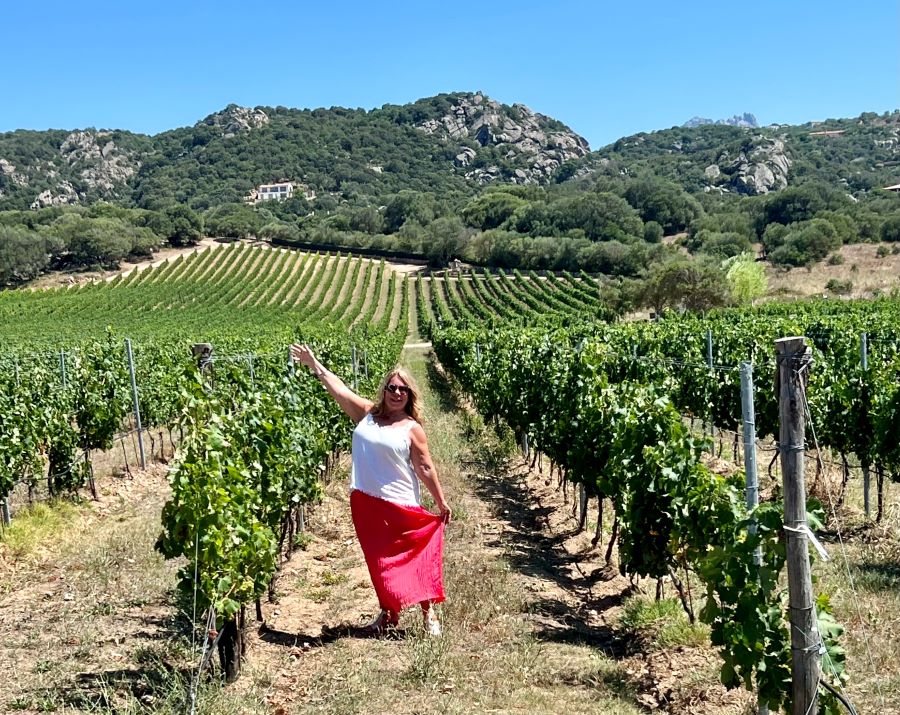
432 624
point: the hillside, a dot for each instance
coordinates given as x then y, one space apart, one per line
451 144
855 154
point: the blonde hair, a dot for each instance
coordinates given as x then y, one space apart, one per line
413 402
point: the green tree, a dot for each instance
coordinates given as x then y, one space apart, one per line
686 285
602 217
445 238
366 219
186 225
806 243
490 209
653 232
664 202
232 221
102 241
802 203
23 255
723 245
536 219
746 276
613 258
279 231
408 205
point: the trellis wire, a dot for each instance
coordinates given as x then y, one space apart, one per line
843 547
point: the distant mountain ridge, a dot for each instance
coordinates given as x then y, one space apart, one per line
451 146
743 120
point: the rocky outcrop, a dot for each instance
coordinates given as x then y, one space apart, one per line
88 159
235 120
65 194
107 166
9 171
759 170
534 144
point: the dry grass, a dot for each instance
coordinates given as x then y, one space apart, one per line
869 274
862 578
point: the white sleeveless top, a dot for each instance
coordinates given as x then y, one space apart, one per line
381 465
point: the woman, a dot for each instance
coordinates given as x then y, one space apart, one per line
402 542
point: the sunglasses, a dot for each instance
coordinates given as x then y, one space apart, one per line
402 389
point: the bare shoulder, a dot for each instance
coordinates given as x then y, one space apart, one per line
417 433
361 410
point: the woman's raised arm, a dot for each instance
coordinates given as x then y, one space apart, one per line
355 407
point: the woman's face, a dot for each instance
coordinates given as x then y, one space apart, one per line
396 393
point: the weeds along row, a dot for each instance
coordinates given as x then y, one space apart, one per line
606 403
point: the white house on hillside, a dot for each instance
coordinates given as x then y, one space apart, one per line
279 192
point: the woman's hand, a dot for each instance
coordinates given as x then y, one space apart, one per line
303 355
446 513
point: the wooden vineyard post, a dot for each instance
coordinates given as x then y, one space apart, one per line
794 360
4 503
230 649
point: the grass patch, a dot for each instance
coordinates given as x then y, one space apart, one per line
664 621
333 578
428 660
319 595
38 526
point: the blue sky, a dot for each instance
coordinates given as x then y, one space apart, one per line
607 69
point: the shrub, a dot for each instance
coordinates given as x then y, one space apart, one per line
839 287
890 229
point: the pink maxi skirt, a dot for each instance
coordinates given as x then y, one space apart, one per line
403 546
